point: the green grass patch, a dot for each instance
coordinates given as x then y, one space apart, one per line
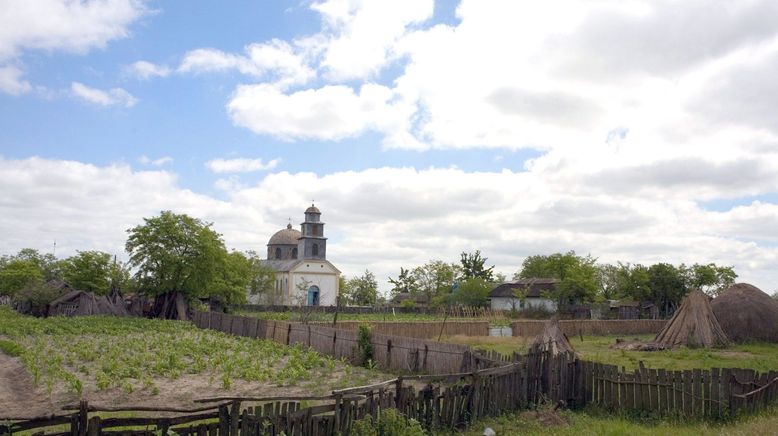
11 348
758 356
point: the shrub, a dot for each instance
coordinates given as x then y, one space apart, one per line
407 303
390 423
365 344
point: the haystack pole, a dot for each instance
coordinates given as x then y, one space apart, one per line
552 340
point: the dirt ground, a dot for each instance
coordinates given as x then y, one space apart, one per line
19 398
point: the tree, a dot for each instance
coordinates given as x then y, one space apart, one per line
175 253
436 278
88 271
578 276
233 278
710 278
363 290
405 283
262 280
16 273
668 286
472 292
46 263
473 267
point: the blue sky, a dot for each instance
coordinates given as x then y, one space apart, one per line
422 128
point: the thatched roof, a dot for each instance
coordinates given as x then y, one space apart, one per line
693 324
551 339
747 314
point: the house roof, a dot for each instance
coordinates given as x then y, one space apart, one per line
290 264
534 287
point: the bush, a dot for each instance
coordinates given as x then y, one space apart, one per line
407 303
390 423
34 299
365 344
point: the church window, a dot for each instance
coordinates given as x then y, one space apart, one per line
278 253
294 253
315 249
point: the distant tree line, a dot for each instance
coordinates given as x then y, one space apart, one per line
581 280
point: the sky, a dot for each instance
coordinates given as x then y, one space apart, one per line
634 131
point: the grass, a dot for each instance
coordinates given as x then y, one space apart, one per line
593 421
758 356
128 353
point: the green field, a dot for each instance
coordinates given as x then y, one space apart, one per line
759 356
595 422
134 354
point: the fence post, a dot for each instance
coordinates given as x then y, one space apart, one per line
224 420
234 417
398 395
336 418
94 426
83 411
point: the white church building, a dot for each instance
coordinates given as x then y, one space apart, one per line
303 275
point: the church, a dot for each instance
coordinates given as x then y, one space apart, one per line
303 275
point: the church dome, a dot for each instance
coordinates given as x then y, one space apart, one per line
312 209
287 236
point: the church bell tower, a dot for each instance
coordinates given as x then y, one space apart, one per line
313 244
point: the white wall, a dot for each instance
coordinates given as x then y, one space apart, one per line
319 274
508 303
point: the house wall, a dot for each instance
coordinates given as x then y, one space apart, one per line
509 303
319 274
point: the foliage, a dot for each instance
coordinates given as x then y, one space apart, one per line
472 292
262 279
710 278
390 422
362 290
37 295
89 271
577 275
119 352
668 286
473 267
436 278
404 283
232 278
16 273
176 253
365 344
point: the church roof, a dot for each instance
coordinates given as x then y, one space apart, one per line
281 265
287 236
312 209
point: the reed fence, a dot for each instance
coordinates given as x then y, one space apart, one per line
592 327
419 329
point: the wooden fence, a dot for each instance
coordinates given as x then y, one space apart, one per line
394 352
419 329
448 404
529 328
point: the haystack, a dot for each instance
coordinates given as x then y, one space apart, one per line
552 339
693 324
747 314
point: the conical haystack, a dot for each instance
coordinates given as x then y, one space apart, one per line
552 339
747 314
693 324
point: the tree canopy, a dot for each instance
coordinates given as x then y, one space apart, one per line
473 266
88 271
178 253
362 290
578 276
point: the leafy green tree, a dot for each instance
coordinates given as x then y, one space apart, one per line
473 267
710 278
16 273
472 292
262 279
405 282
578 275
668 286
233 278
436 278
46 263
88 271
363 290
175 253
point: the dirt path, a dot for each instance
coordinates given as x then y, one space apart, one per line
18 398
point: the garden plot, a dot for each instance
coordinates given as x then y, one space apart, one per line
46 363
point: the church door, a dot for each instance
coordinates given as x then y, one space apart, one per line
313 296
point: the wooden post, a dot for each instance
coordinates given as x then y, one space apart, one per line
234 417
336 417
398 395
94 426
83 419
224 421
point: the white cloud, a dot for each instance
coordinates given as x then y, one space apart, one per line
145 160
384 218
11 82
364 32
240 165
145 70
332 112
111 97
275 60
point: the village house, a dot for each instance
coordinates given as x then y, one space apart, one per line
524 294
